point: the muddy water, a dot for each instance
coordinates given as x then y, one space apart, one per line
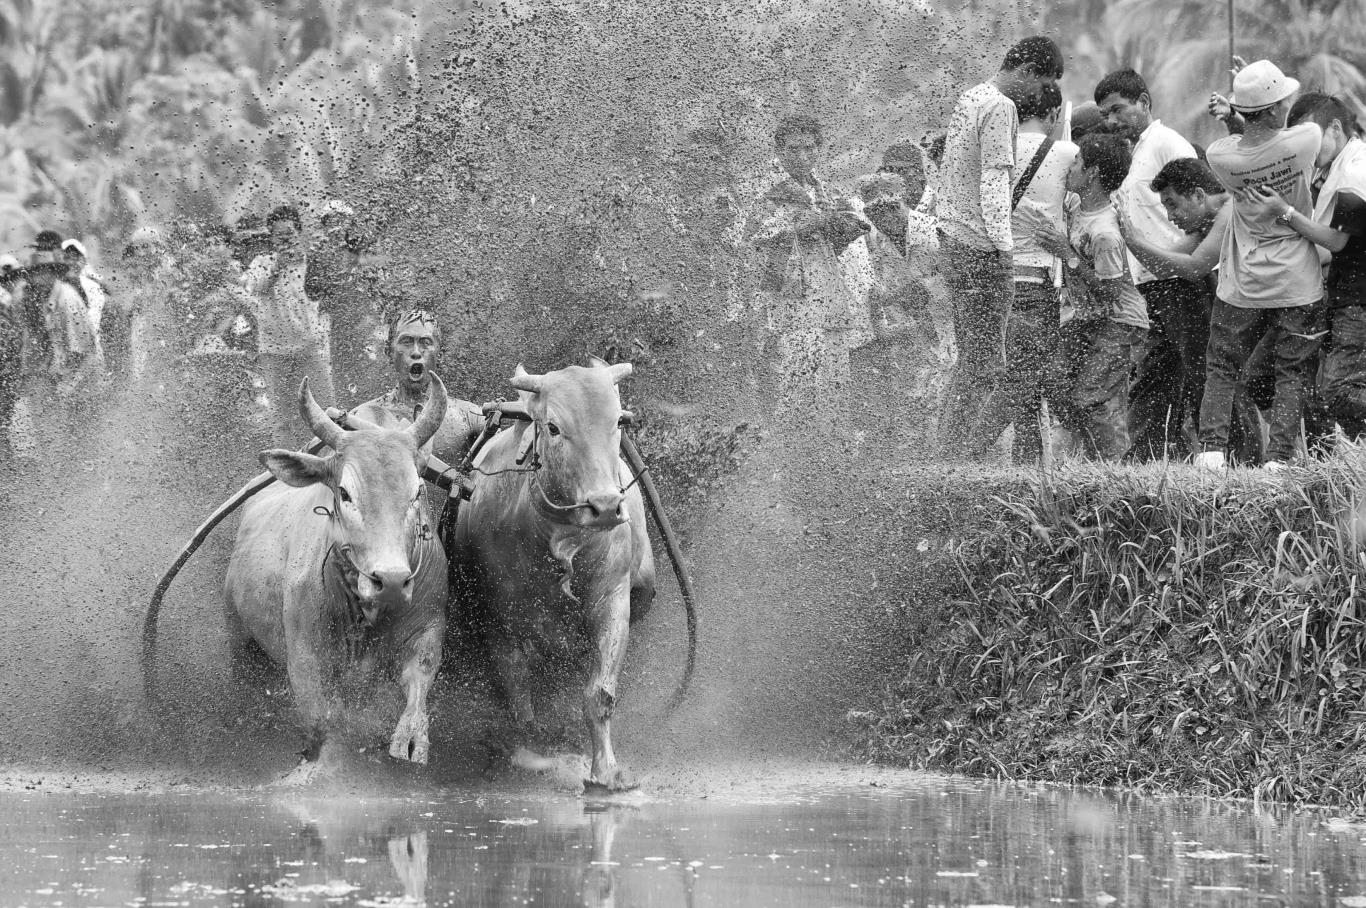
857 837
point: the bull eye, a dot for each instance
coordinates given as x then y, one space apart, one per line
343 494
552 428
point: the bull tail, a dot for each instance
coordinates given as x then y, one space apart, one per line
651 494
149 624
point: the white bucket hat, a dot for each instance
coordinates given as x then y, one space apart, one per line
1259 85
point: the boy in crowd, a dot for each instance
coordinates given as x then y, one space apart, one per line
1269 279
1170 377
1032 331
973 207
799 228
1338 227
1110 324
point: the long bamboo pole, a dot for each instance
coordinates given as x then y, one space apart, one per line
1232 51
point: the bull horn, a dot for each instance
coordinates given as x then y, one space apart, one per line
596 362
524 381
328 432
619 371
433 414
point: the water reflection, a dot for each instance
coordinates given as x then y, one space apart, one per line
937 842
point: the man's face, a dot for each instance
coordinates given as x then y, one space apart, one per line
416 347
798 153
73 259
1124 117
1077 178
912 173
1185 211
1333 141
284 234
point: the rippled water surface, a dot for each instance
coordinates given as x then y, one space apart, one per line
867 839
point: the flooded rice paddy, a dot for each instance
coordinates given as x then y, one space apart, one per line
857 837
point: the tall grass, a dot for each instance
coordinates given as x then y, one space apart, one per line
1151 628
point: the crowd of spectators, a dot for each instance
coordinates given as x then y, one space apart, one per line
1113 289
262 291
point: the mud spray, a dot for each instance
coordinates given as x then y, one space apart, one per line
554 183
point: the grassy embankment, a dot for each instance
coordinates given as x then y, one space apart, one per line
1147 628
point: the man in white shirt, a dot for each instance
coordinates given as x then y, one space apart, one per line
1032 330
290 338
973 207
1171 376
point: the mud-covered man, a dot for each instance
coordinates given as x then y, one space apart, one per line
414 352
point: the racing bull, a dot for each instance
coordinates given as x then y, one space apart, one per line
551 550
337 570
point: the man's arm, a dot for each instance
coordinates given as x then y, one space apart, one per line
995 192
1264 202
1190 260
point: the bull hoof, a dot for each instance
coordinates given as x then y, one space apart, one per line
410 749
619 783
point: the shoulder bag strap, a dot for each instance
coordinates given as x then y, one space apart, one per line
1035 163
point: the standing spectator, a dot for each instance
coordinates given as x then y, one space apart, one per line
43 270
1032 330
350 316
973 205
1106 334
89 284
1269 277
799 229
142 301
1338 226
11 347
1170 378
290 340
77 361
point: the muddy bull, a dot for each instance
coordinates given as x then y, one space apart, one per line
551 552
336 570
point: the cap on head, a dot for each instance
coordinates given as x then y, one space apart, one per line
1259 85
47 241
1086 119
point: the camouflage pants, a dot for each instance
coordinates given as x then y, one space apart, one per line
1096 365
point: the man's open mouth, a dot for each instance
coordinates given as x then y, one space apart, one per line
415 371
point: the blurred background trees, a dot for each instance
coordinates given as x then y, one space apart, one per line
533 157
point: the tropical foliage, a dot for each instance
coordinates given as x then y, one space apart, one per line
1148 628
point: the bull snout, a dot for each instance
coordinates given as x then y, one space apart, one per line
384 586
606 507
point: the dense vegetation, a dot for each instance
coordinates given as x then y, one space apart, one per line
1148 628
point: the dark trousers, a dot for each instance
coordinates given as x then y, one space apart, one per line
1171 377
981 285
283 374
1344 369
1092 390
1031 346
1234 333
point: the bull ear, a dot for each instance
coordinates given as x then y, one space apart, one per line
619 371
524 381
596 362
295 468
